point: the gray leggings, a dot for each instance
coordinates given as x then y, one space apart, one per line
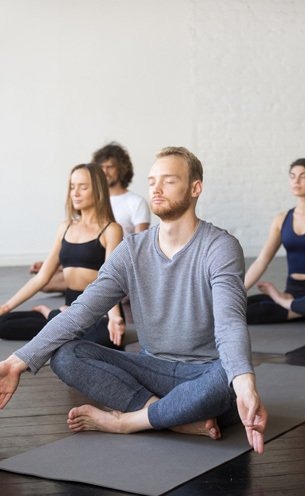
124 381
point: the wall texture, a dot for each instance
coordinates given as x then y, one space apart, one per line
224 78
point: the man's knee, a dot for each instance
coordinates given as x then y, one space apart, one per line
63 357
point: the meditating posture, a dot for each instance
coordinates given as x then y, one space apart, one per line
82 245
130 210
295 306
287 229
185 281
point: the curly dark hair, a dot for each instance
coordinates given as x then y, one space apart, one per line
114 151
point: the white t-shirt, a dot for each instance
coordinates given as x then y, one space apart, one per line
130 209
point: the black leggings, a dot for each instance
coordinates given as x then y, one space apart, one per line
261 309
298 305
24 325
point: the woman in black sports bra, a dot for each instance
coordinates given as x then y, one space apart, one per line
287 229
82 244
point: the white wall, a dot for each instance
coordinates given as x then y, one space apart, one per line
224 78
250 100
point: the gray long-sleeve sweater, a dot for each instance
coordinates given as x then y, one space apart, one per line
189 308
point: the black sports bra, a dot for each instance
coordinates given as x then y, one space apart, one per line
88 255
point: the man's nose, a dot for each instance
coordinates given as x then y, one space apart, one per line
157 188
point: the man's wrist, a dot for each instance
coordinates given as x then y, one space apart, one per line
244 382
16 363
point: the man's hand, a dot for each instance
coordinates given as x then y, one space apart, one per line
10 372
251 410
116 328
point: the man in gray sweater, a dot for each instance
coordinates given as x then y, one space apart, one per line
184 278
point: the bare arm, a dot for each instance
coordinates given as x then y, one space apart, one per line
141 227
258 267
251 410
111 238
37 282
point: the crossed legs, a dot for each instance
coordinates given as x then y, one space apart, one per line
144 392
284 299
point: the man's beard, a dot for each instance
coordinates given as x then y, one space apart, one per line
112 182
174 209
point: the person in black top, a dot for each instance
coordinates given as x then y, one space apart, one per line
82 244
130 210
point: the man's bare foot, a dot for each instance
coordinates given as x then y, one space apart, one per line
43 309
202 428
90 418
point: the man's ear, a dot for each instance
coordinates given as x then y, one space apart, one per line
197 187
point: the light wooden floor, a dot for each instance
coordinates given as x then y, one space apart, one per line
37 415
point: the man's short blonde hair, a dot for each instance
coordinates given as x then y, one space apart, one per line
194 164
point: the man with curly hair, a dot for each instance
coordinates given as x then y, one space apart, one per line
130 209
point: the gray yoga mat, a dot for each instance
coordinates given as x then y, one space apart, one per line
153 463
277 338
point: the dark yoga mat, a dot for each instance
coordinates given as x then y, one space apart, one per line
153 463
277 338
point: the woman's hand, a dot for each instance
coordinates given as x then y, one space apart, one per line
116 328
63 308
4 309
